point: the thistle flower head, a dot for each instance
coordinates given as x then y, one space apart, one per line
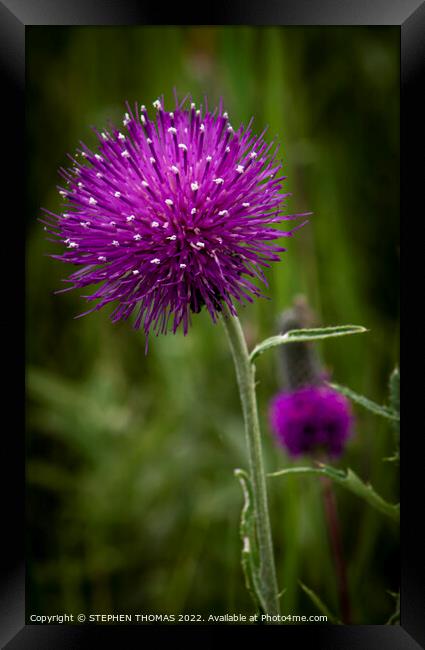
311 418
170 213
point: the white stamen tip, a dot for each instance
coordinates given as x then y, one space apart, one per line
155 224
99 175
192 105
172 237
182 266
80 185
225 115
227 150
208 158
182 146
135 272
84 155
145 184
222 213
194 186
117 195
121 136
198 112
165 224
174 169
230 129
137 237
152 160
169 202
246 205
125 154
115 243
157 104
143 119
240 169
219 181
148 140
200 244
202 127
62 193
253 154
104 136
101 258
92 201
193 211
72 244
155 260
171 129
98 157
130 218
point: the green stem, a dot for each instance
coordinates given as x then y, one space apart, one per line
245 373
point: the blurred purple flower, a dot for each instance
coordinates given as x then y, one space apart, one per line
172 214
311 418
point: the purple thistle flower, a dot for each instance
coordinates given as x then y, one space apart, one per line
171 214
311 418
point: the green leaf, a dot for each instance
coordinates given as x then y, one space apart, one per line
383 411
394 619
393 459
320 604
304 336
395 390
350 481
395 405
250 555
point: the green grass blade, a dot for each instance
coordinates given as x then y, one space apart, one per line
320 605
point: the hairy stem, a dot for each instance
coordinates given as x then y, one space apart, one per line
245 373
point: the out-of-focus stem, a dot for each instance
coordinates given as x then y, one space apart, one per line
334 530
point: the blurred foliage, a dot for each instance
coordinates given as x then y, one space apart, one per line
131 500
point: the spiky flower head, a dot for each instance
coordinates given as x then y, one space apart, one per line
170 214
311 419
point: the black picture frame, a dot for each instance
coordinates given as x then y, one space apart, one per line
15 17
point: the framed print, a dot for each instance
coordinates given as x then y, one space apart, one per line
208 434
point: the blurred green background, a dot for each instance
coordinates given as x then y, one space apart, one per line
131 501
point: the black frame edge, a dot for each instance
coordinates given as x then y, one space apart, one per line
12 55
